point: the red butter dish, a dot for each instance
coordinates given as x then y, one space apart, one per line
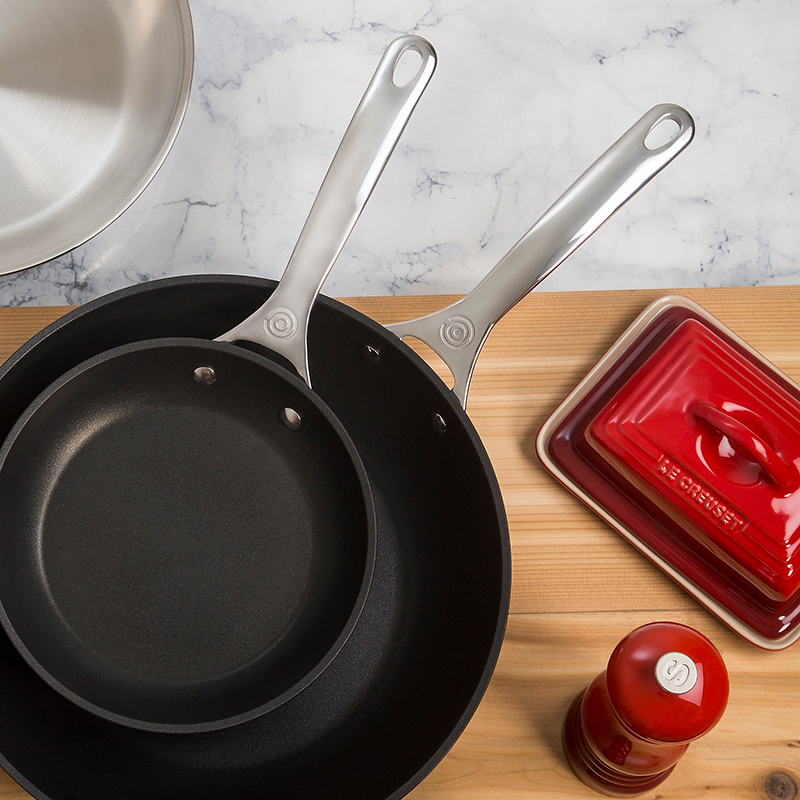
687 441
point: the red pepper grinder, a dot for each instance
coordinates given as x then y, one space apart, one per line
665 686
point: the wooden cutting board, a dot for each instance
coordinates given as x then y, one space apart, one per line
577 587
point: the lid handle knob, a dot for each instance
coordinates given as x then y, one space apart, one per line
780 472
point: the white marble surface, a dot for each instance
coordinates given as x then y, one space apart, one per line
525 97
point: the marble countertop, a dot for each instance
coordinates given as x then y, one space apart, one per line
525 97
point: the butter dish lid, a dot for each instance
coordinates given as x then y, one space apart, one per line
715 443
687 442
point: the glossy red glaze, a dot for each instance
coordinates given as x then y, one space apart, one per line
592 769
715 444
624 734
725 585
613 741
648 710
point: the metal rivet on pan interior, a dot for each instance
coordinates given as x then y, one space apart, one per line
290 418
371 354
205 376
439 425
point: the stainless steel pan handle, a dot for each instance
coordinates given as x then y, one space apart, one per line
458 332
281 323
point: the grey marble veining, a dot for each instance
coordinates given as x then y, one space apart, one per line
525 97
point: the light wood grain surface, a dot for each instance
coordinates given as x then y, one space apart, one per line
577 587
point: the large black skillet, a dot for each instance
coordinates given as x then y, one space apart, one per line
412 672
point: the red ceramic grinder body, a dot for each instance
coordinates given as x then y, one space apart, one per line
665 686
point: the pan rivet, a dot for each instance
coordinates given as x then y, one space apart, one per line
205 376
371 354
290 418
439 425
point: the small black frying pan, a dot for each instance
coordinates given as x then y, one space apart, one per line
189 532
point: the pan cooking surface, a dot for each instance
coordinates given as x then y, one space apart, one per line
166 552
161 546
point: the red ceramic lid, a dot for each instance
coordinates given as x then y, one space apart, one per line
667 683
715 443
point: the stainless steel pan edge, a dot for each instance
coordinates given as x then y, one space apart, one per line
124 78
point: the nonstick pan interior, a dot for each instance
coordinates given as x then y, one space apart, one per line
411 674
176 554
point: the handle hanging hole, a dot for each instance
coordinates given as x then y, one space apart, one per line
662 133
439 424
406 67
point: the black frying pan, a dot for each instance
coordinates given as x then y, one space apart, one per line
410 676
188 533
412 672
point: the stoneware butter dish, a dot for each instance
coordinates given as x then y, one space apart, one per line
687 442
